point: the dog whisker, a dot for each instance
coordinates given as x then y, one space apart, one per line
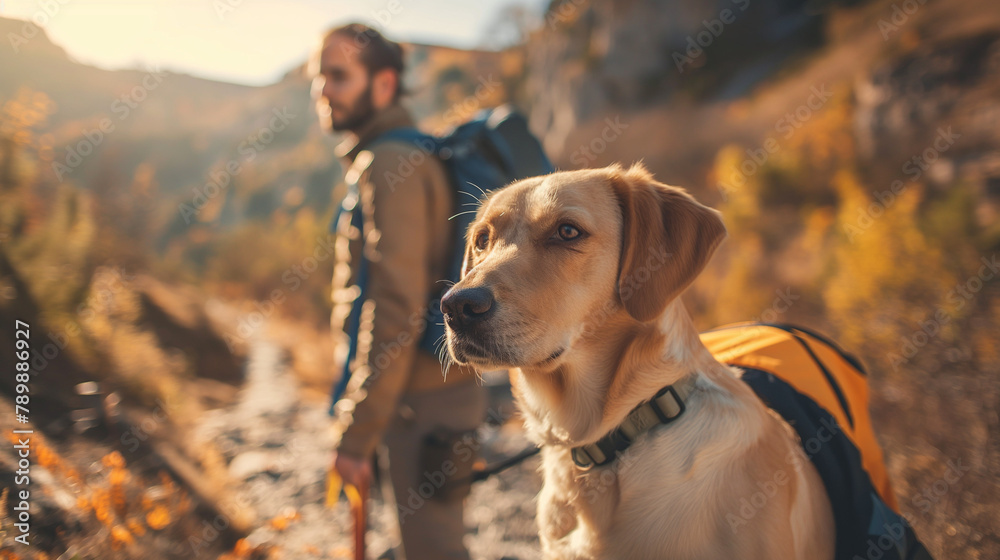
444 357
466 212
478 187
476 198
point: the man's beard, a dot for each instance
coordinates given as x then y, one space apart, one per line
358 115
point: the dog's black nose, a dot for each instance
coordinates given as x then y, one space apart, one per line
465 307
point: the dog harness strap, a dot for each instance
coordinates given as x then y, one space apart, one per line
665 407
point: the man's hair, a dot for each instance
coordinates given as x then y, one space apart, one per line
375 51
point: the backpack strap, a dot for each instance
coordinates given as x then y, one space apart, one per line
429 144
433 331
352 204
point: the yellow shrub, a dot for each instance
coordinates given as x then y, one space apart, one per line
889 278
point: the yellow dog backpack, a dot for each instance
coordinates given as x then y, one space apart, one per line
822 392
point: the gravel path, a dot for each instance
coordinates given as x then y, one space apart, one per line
278 448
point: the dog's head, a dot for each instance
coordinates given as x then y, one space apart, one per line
549 259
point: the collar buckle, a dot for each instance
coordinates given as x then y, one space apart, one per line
665 410
667 405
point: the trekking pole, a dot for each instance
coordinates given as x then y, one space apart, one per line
360 510
357 496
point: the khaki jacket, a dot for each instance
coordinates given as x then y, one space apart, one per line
406 200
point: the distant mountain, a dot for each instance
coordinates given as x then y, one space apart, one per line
612 80
214 155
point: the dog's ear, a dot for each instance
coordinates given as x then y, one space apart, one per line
667 239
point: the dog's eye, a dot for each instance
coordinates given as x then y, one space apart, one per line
568 232
482 239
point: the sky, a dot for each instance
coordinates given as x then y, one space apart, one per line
244 41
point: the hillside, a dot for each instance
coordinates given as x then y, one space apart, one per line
205 158
852 148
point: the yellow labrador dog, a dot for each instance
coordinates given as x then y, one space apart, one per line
572 281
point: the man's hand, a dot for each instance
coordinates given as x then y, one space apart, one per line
353 470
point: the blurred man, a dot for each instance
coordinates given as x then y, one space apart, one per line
397 394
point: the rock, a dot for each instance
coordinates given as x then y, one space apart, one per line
250 463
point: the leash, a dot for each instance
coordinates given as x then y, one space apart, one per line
479 475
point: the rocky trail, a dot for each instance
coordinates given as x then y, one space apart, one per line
278 447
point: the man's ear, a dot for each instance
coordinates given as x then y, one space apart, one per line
384 87
667 239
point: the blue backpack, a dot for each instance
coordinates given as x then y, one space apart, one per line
490 151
